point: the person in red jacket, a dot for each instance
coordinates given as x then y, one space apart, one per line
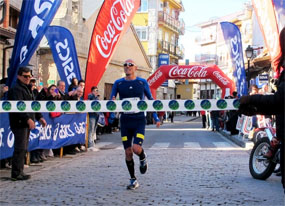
203 113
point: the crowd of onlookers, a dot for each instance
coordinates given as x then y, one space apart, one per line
98 124
108 122
227 119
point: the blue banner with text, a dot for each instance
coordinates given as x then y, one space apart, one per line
232 37
64 130
34 19
64 53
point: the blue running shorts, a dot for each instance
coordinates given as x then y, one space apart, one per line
132 129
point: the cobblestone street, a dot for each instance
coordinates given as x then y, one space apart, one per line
176 176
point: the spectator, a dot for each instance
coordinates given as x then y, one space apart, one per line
22 123
77 94
232 118
161 116
222 119
50 93
203 113
33 85
208 119
3 89
254 89
73 85
93 119
61 90
81 83
215 120
272 105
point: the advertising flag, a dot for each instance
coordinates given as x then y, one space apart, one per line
280 10
114 18
267 22
64 53
163 59
34 19
232 37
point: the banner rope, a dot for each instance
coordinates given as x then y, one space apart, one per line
119 105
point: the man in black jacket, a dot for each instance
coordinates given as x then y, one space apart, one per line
22 123
272 104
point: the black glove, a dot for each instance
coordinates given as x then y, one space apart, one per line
245 107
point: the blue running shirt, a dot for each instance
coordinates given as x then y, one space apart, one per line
137 88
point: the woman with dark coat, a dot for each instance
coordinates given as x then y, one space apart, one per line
73 85
271 104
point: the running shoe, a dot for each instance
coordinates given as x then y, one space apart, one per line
133 184
143 165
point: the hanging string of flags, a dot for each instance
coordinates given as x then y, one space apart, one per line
119 105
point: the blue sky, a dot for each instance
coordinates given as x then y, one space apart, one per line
198 11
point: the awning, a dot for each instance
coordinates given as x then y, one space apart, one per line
261 63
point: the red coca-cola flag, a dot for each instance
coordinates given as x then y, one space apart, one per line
265 13
113 20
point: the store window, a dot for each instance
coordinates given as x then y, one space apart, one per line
144 6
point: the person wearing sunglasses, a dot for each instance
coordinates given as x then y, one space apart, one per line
22 123
133 124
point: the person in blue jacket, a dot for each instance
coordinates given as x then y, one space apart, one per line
132 87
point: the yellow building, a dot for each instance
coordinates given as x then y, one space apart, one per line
158 27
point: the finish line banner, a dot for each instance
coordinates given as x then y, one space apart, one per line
119 105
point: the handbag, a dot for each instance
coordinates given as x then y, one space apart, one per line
101 120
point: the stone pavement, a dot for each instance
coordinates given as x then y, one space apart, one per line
175 177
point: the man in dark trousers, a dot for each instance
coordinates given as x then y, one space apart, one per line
22 123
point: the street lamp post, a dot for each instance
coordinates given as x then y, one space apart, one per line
249 54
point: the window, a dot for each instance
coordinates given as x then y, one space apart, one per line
144 6
160 34
142 33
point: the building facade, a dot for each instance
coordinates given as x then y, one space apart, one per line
214 49
70 15
158 27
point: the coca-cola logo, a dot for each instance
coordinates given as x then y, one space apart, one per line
190 72
156 76
120 11
221 78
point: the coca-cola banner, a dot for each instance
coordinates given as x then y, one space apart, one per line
113 20
191 72
267 21
233 39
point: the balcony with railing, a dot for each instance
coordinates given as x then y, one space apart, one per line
172 49
206 58
172 23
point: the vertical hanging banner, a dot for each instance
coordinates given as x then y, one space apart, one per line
114 18
163 59
233 39
280 10
35 17
64 53
267 22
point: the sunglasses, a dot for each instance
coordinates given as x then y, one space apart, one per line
27 76
129 64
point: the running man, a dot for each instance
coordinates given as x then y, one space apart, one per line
133 124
